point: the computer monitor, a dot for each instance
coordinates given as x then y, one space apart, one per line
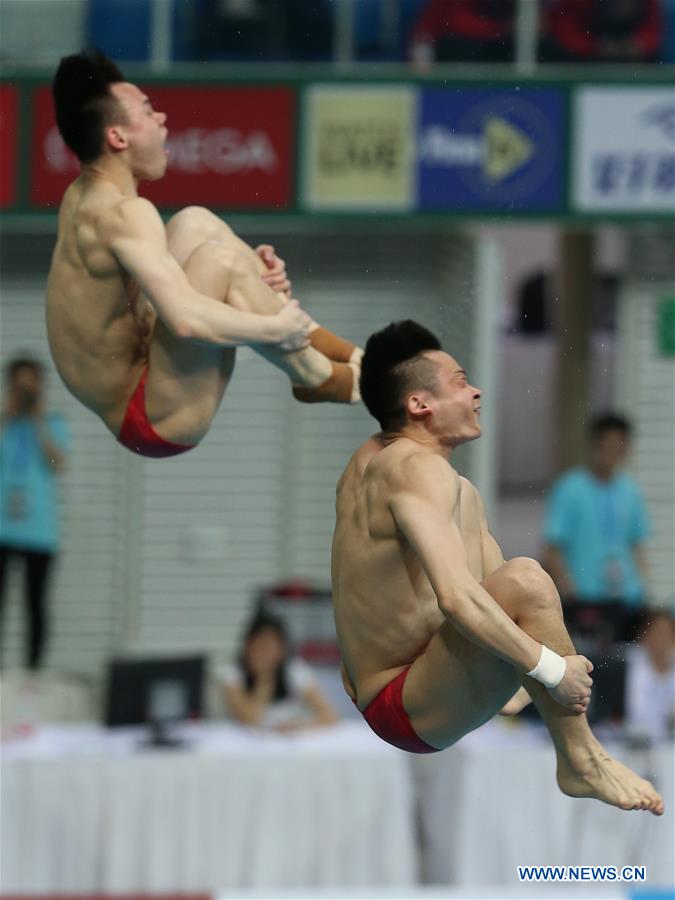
609 690
151 691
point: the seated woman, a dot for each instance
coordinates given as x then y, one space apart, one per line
269 688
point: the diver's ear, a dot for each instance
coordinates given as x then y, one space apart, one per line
116 138
419 405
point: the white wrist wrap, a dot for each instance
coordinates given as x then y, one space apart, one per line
550 670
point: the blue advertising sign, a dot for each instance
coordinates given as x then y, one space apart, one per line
487 149
624 149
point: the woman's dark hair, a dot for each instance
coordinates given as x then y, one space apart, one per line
83 103
392 366
263 621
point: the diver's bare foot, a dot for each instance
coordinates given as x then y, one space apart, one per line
518 702
606 779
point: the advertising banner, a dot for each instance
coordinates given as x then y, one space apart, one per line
624 149
9 142
358 148
482 149
230 148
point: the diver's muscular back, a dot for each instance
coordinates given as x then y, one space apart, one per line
94 332
385 609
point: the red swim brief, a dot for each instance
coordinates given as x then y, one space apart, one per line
389 720
138 435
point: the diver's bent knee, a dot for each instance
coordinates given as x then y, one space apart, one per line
213 255
199 219
190 216
521 567
530 577
524 564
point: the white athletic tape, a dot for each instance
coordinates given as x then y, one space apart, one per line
550 670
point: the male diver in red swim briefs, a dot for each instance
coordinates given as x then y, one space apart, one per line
438 633
143 319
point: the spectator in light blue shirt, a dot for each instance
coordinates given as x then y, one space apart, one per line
33 447
595 528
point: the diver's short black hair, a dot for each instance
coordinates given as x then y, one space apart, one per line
83 102
392 366
609 421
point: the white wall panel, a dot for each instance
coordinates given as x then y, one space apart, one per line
647 394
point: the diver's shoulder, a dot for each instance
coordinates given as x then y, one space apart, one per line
364 455
70 201
405 463
468 487
84 203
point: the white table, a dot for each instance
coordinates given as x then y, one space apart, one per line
491 803
85 810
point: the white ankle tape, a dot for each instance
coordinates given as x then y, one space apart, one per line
550 670
356 356
356 388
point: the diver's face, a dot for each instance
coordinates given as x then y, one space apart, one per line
454 402
143 133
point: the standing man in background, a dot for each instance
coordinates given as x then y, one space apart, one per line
594 534
33 448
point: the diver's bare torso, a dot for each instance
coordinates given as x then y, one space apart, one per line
98 328
385 609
